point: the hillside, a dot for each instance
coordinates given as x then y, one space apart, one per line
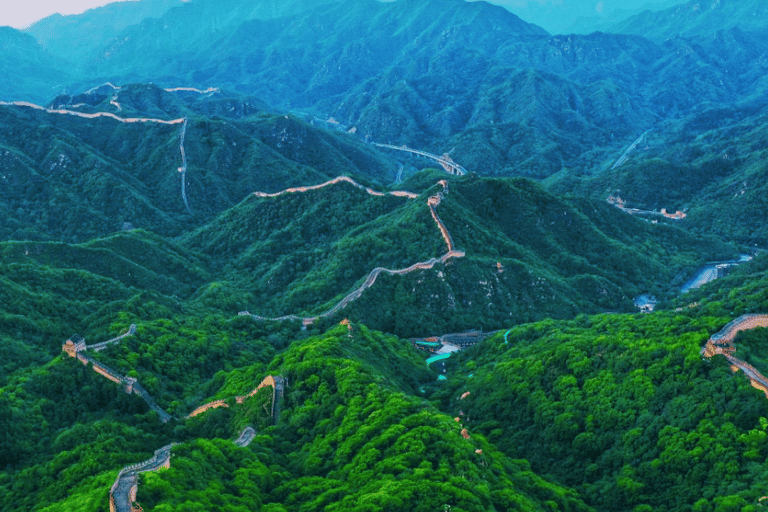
710 164
112 161
622 408
351 430
302 254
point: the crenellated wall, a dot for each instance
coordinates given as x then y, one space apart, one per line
122 494
722 343
432 202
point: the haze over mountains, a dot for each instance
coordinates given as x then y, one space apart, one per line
500 95
221 195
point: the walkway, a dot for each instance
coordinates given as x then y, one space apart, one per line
104 344
432 202
183 121
722 343
122 494
245 437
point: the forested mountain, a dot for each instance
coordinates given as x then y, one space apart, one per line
447 75
94 176
64 35
244 207
469 78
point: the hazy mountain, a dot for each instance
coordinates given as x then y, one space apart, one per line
580 16
64 35
696 18
447 76
30 73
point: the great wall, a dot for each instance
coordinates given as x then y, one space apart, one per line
722 343
433 202
96 115
113 101
122 494
76 347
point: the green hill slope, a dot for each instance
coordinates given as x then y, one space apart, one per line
352 434
622 408
92 177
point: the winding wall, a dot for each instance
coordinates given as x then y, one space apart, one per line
275 381
432 202
122 494
722 343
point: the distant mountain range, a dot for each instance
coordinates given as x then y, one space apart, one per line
694 18
501 95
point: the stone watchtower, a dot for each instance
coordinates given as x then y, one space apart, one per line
74 345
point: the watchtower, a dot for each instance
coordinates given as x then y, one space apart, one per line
74 345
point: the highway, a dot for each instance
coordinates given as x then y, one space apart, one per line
449 165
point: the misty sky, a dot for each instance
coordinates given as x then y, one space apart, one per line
21 13
554 15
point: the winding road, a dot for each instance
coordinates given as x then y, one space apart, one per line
626 153
445 161
433 202
183 168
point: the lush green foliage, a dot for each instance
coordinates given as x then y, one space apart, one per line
622 408
93 177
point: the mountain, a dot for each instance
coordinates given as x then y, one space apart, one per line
31 73
434 76
694 18
63 35
580 16
85 181
207 201
464 78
